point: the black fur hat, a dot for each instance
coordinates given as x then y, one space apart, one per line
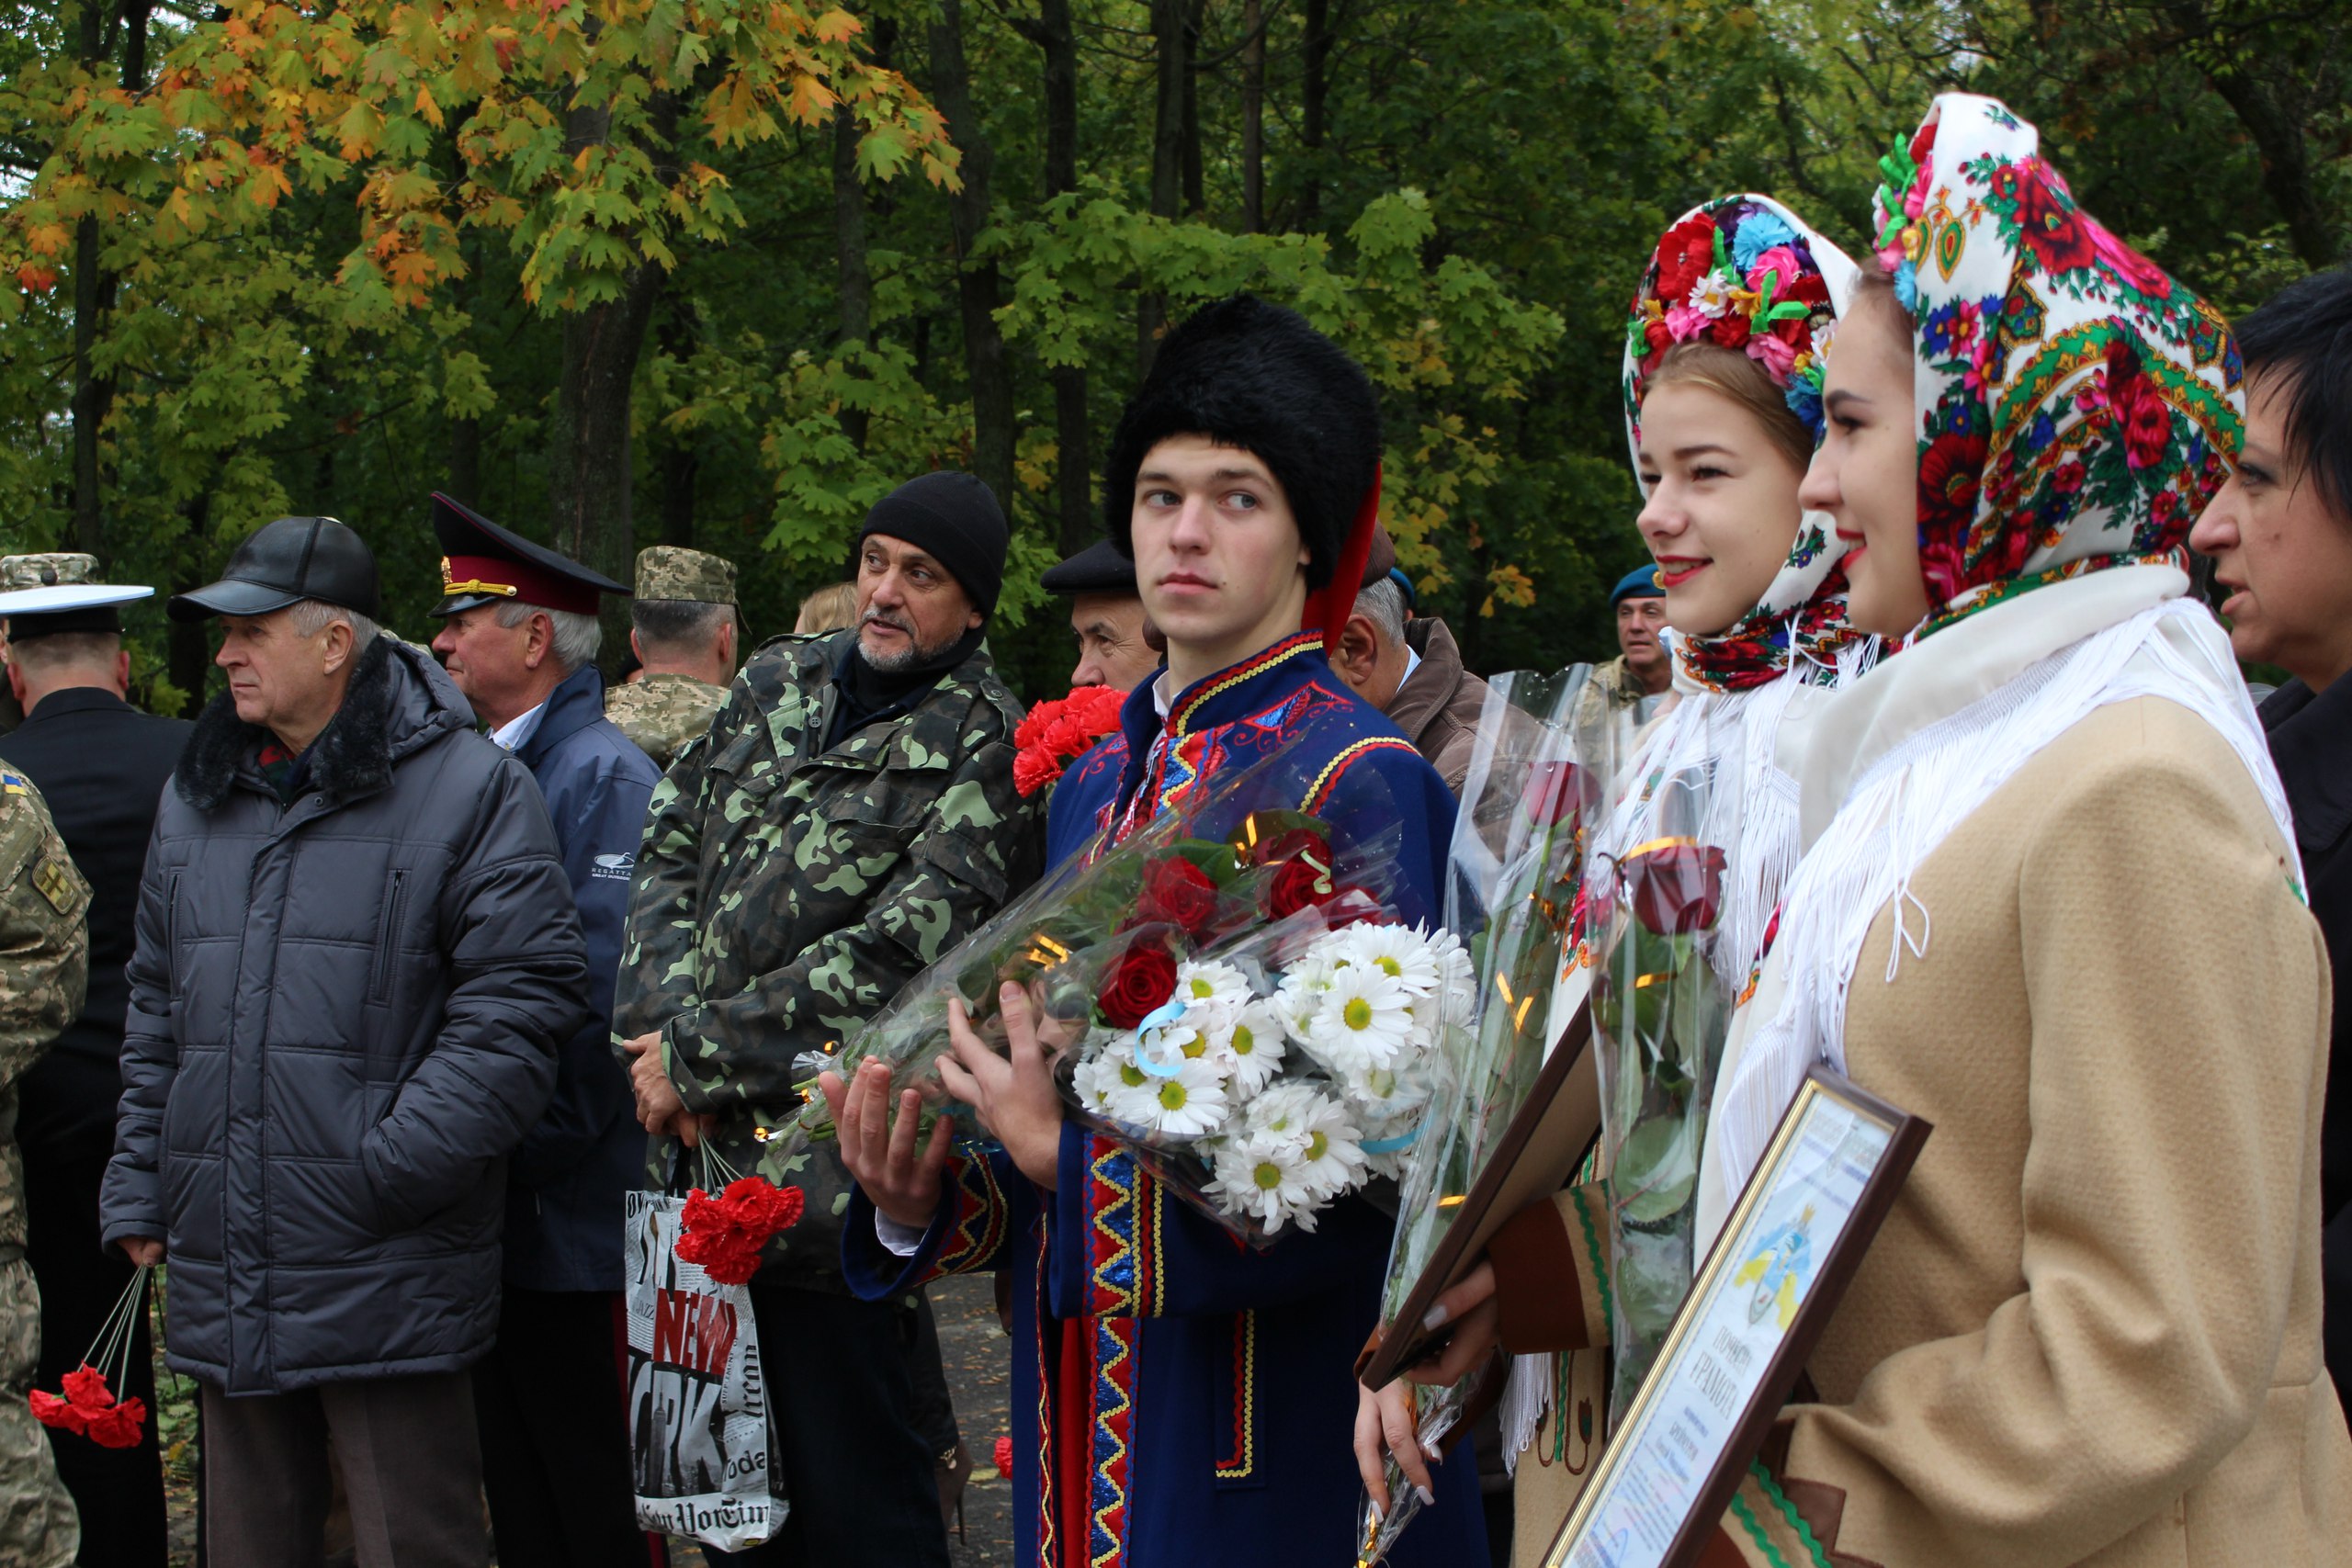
1252 375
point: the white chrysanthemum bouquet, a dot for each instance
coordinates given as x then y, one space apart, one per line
1228 990
1294 1068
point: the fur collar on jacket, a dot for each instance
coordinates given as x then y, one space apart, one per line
353 755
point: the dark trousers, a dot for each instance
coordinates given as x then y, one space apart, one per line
118 1492
859 1476
933 1409
552 1406
405 1448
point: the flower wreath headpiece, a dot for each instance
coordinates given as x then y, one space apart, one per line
1749 275
1746 273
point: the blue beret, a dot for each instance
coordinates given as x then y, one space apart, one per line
1639 584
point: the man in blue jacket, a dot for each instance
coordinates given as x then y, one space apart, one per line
519 637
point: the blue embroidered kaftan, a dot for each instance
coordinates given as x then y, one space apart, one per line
1201 1393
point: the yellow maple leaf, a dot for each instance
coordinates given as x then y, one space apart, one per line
427 108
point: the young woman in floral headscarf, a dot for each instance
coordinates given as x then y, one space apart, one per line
1722 409
2049 904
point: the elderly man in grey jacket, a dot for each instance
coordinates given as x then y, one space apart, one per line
355 953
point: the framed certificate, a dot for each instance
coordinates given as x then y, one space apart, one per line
1741 1338
1538 1150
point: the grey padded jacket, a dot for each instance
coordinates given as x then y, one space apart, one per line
343 1014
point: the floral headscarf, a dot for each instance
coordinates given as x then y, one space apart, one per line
1746 273
2076 407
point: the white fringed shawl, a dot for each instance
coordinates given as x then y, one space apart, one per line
1904 756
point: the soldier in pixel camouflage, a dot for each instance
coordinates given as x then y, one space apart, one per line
849 817
44 966
685 628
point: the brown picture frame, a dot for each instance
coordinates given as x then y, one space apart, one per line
1539 1151
1769 1389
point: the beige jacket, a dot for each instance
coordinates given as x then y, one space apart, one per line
2089 1331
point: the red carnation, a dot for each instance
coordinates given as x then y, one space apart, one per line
1657 334
725 1235
1731 330
1057 732
1139 984
1177 891
1684 257
89 1408
1003 1455
1950 472
1678 889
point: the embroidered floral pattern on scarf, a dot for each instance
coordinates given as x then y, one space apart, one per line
2077 407
1746 274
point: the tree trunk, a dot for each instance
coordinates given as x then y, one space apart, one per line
855 308
1196 192
93 291
591 474
677 463
1253 117
186 656
1054 33
1170 19
1312 107
2278 137
978 287
591 470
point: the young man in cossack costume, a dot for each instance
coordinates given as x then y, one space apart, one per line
1177 1397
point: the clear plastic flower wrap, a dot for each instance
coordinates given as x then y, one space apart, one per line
1227 990
1513 880
1666 975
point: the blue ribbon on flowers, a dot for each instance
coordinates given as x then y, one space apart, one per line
1160 1017
1390 1145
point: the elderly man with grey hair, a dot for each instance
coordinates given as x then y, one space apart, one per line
1409 666
519 633
356 955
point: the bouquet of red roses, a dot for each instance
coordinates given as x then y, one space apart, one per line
1059 731
1224 990
1513 889
1662 1002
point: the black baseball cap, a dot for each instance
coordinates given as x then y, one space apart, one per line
283 563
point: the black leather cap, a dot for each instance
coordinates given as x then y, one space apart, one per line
282 563
1097 569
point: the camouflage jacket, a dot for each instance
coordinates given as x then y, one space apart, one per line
785 891
44 964
661 713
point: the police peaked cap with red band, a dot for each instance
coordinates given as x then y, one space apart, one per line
1252 375
482 563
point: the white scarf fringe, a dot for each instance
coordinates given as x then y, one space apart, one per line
1903 807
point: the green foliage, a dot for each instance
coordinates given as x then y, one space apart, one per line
336 246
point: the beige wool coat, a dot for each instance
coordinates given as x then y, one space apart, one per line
2088 1332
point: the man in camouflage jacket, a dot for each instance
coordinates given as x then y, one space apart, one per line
685 628
850 816
44 964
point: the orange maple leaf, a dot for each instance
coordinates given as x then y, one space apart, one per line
36 279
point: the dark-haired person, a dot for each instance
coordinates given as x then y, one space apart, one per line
2280 535
1181 1398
